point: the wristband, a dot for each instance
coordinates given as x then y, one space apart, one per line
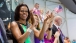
29 30
49 29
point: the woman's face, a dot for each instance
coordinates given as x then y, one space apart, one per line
36 20
23 13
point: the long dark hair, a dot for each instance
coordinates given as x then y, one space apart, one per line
17 10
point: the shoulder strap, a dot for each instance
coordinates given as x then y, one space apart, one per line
27 24
21 29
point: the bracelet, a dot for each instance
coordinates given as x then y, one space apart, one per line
29 30
49 29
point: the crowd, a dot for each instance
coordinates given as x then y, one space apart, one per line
26 26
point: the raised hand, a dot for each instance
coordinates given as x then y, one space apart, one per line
49 16
48 20
47 12
57 34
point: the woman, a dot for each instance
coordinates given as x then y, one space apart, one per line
66 40
37 29
22 32
48 38
19 26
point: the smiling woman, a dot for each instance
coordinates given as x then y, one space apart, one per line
23 12
20 30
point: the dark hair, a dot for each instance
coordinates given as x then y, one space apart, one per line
17 10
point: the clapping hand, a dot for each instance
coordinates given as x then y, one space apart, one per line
48 19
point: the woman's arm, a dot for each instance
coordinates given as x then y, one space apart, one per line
49 32
57 34
46 24
17 33
36 32
40 34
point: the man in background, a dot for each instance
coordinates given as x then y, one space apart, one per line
36 10
55 28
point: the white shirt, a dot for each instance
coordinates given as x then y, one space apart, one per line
56 26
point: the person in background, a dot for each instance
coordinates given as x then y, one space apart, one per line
37 30
51 39
36 10
55 28
20 28
74 41
66 40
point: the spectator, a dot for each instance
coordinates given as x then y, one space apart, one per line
57 23
66 40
